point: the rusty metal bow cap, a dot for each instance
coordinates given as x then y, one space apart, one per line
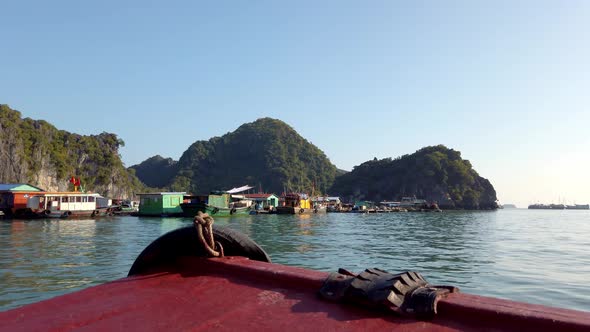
406 293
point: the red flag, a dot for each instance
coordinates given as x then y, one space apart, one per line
73 180
77 182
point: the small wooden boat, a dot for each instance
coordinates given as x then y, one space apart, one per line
124 208
171 287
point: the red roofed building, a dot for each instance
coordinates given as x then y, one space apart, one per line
14 196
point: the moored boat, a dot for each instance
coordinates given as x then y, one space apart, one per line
299 203
219 204
578 207
251 294
547 207
68 205
125 207
412 203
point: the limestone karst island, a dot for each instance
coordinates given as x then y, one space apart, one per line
261 167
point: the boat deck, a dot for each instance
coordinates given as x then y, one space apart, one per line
237 294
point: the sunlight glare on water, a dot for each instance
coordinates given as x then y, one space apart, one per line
525 255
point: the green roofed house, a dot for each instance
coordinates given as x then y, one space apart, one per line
163 204
264 201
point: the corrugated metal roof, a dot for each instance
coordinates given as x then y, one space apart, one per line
239 189
258 195
165 193
18 187
328 199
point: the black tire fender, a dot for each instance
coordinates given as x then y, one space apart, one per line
301 211
232 211
47 212
184 242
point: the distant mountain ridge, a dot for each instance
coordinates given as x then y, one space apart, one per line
435 173
157 171
270 154
266 153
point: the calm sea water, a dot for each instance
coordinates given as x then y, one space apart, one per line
536 256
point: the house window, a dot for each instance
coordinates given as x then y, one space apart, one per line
79 199
91 199
64 199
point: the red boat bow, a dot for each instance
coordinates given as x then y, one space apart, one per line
234 293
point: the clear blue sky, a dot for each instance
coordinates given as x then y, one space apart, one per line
504 82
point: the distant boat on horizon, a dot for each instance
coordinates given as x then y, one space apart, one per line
559 207
578 207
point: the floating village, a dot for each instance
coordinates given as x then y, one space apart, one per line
25 201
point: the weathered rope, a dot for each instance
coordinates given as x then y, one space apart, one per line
204 225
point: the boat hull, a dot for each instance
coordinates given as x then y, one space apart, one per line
125 212
59 214
297 210
237 294
192 209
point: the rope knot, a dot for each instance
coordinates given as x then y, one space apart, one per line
204 225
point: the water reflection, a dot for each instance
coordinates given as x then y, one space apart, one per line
510 254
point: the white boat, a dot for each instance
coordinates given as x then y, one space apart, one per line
412 202
69 204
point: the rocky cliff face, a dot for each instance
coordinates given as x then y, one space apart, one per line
35 152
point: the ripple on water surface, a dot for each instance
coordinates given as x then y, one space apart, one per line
512 254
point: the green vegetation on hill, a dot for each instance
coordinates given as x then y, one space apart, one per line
435 173
156 172
266 153
30 148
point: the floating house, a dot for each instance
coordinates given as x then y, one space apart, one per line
298 203
13 197
329 201
217 203
365 204
332 204
162 204
264 201
412 202
390 204
67 205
